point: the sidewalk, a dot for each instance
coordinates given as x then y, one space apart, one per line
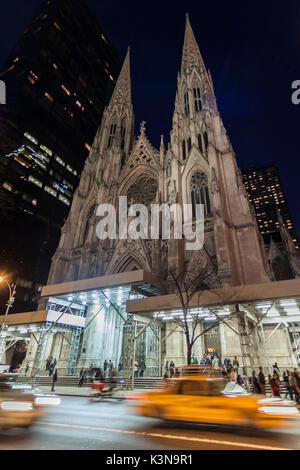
83 391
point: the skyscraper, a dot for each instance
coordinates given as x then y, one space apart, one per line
266 194
59 77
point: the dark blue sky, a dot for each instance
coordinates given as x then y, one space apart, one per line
252 51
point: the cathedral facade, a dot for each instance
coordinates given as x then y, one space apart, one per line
198 166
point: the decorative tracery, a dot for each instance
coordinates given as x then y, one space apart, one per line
200 192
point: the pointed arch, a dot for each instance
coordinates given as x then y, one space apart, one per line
199 190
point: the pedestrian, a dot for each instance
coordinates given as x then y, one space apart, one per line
262 381
136 369
235 365
172 369
255 383
26 368
105 365
216 362
48 362
275 369
120 365
232 377
54 380
275 386
167 366
286 382
142 367
196 362
294 383
239 381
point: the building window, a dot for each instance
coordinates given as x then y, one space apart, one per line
64 200
71 170
51 191
200 193
49 97
183 150
46 149
189 144
200 143
66 90
112 133
32 77
34 180
31 138
186 104
197 100
205 136
59 160
123 131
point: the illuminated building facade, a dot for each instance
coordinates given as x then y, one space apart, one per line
274 220
59 77
101 293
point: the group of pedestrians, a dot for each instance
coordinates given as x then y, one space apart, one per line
291 381
171 370
139 368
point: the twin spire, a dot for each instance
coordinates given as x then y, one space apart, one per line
191 58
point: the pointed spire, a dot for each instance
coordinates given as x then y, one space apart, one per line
122 91
191 56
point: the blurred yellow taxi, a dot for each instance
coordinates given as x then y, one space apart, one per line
20 404
214 400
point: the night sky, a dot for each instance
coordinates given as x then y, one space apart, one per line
252 51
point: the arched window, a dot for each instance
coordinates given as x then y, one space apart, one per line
189 144
123 131
183 150
87 224
200 143
200 193
186 104
205 136
112 133
197 100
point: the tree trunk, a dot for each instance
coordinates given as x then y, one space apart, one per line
189 352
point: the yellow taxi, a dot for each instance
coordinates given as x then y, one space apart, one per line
214 400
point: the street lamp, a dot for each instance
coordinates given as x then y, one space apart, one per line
12 293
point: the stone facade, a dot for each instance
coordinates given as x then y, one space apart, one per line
198 165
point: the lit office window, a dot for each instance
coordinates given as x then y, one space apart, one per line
59 160
31 138
34 180
47 150
50 191
64 200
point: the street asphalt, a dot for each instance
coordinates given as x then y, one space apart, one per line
78 424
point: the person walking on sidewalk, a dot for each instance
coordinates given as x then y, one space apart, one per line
262 381
275 386
54 379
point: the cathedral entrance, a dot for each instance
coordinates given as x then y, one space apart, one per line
212 341
145 352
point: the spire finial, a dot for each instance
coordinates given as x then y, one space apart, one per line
122 91
143 127
191 56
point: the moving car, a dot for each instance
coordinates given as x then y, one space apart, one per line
20 404
212 400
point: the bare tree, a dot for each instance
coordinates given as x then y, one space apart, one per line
188 285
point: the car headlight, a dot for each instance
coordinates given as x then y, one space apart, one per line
16 405
279 410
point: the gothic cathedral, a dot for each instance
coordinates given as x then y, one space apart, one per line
198 166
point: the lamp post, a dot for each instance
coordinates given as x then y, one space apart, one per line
12 292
